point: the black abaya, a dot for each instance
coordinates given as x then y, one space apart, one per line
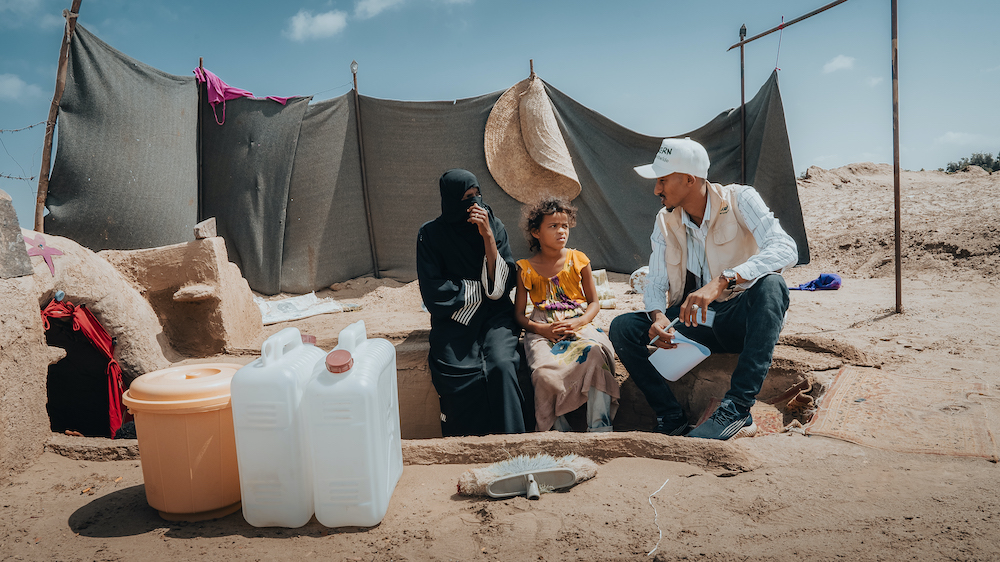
473 341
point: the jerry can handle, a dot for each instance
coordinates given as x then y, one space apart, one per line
352 336
279 345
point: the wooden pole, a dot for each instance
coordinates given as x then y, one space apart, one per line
364 174
784 25
743 111
531 66
895 158
50 124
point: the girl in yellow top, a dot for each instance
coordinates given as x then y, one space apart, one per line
572 361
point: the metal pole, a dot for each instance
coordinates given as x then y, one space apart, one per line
895 158
50 124
796 20
743 111
364 175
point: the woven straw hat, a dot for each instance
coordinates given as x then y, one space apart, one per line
525 150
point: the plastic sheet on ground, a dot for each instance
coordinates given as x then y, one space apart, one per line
302 306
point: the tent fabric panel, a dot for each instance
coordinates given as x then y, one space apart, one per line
408 145
616 206
776 172
246 169
326 230
769 166
125 171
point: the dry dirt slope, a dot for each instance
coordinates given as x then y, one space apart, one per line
806 498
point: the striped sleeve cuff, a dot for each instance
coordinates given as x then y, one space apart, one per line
473 298
500 274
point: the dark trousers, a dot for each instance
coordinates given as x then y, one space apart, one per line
474 370
747 324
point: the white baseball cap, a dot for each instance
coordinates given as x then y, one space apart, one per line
677 155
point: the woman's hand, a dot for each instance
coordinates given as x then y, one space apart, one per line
567 327
479 217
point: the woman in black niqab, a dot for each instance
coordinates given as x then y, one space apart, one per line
466 272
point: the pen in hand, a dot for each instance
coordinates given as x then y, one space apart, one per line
670 325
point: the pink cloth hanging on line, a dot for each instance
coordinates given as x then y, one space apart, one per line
219 92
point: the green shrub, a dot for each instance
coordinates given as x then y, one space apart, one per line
984 160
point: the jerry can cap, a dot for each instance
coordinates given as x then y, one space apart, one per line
339 361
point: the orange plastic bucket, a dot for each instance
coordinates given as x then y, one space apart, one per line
187 446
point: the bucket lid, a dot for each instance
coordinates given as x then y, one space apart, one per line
185 388
339 361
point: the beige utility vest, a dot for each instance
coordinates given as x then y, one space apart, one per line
728 243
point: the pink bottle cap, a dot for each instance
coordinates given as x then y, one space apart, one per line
339 361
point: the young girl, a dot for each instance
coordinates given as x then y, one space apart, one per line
572 361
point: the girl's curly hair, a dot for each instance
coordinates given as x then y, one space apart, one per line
532 218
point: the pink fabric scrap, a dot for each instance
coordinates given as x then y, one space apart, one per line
219 92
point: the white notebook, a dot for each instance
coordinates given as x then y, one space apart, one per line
673 364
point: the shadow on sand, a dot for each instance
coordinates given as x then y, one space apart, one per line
125 513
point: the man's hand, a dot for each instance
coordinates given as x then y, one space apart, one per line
694 310
658 334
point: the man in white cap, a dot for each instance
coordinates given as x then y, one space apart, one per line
714 248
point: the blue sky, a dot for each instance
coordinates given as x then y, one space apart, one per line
659 67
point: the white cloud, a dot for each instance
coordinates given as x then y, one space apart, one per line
13 88
50 21
874 81
16 13
839 62
966 139
20 6
365 9
304 25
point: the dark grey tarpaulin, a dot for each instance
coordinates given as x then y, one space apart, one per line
246 168
326 231
285 185
769 157
125 172
409 144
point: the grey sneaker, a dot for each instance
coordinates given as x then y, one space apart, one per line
672 426
727 422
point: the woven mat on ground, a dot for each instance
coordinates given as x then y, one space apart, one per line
906 414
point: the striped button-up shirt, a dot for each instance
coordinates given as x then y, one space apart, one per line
776 251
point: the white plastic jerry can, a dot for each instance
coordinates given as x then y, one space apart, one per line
352 413
271 445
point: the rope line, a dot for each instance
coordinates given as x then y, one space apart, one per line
331 89
781 29
22 128
655 516
5 176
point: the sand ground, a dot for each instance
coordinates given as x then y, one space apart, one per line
791 496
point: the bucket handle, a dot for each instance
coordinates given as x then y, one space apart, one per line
279 345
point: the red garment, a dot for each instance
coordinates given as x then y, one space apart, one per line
86 322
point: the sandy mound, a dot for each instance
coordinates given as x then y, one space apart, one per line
794 497
357 288
948 220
